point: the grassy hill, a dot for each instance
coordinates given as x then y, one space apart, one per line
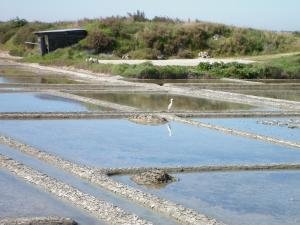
160 37
141 38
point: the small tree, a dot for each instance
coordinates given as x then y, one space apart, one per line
17 22
138 16
100 42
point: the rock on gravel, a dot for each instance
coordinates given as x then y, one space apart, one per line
153 177
148 119
38 221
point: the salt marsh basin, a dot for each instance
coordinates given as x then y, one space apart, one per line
254 125
237 198
40 102
107 143
19 199
19 74
158 102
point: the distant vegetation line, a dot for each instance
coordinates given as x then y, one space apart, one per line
287 67
141 38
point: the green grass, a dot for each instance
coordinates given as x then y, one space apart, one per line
149 39
283 67
142 38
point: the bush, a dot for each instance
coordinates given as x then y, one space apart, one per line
174 72
146 53
4 37
100 42
17 51
136 33
17 22
185 54
138 16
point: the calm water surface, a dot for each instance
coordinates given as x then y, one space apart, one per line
237 198
19 74
159 102
86 187
36 102
251 125
292 95
20 199
120 143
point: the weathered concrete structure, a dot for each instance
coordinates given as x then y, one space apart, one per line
51 40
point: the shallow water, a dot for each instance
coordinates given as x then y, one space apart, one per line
251 125
182 81
237 198
19 74
159 102
292 95
19 199
86 187
278 80
4 80
38 102
36 79
120 143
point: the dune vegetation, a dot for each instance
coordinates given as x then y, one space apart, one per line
159 38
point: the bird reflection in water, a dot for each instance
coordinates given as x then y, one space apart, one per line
169 129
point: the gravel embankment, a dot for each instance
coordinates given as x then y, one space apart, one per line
104 211
183 215
38 221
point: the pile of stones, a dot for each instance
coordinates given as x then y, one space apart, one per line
38 221
291 123
153 177
148 119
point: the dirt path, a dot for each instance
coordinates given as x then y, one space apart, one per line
177 62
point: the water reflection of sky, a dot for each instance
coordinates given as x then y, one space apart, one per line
31 102
251 125
120 143
237 198
84 186
159 102
286 94
19 199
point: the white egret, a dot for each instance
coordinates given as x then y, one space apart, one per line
170 105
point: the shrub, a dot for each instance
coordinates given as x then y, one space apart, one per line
4 37
17 51
138 16
185 54
174 72
17 22
146 53
100 42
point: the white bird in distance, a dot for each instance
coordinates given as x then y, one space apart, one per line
170 105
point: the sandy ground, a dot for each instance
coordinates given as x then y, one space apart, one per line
6 55
176 62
